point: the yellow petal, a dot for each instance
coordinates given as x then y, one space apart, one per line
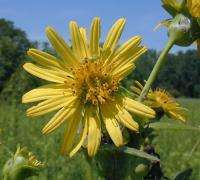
129 57
176 115
134 55
139 108
94 37
46 74
45 59
61 47
71 130
139 84
127 53
60 117
194 7
111 124
84 37
136 90
46 92
126 119
82 137
105 56
83 34
50 105
94 130
114 34
114 131
124 71
78 45
126 47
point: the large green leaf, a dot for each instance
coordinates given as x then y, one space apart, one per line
172 126
131 151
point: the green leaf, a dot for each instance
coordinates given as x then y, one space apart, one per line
131 151
172 126
184 175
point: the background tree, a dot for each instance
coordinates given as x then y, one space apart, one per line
180 75
13 45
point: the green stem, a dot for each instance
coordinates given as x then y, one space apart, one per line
156 69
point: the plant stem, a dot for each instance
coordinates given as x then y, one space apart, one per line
155 70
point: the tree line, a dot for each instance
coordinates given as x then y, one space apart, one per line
180 74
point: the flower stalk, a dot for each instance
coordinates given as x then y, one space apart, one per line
156 69
180 32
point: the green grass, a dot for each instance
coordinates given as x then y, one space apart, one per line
16 128
178 149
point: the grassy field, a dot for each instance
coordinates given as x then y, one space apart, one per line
16 128
178 149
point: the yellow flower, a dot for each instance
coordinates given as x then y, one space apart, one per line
86 85
176 6
160 99
194 8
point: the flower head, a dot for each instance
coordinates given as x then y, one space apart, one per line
22 165
161 101
86 86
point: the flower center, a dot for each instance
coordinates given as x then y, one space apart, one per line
162 97
93 83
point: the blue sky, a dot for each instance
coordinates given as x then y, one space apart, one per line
141 15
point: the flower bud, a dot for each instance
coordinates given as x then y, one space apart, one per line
184 26
180 31
21 165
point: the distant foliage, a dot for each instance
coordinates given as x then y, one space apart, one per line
18 83
13 45
180 74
